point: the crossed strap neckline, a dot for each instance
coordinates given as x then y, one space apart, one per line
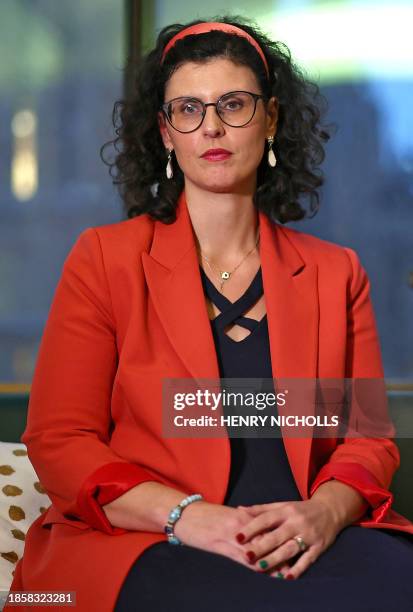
231 312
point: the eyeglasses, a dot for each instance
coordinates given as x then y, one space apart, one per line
235 108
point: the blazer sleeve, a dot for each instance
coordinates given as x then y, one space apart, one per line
69 416
365 463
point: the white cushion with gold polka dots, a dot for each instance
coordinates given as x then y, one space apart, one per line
22 500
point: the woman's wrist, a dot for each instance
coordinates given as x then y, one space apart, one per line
175 516
188 518
145 507
345 503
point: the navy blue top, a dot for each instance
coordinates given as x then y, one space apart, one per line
260 471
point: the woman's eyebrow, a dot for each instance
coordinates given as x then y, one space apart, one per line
202 98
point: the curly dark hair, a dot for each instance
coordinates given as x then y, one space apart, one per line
141 158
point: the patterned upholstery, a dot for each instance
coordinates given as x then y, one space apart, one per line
22 500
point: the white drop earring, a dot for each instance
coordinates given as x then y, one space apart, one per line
169 169
272 160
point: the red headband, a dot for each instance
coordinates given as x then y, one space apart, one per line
201 28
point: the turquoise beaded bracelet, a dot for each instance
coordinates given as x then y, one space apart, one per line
175 514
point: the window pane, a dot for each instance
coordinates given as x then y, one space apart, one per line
61 71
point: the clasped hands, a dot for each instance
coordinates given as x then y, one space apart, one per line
267 538
268 530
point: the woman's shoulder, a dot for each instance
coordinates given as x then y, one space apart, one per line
327 255
119 239
313 246
309 242
112 245
137 230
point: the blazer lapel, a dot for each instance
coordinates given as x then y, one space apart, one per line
290 284
291 296
172 274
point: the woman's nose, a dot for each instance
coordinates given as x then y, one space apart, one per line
212 124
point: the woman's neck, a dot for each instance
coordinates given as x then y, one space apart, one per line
225 224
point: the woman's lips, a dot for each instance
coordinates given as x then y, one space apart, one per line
216 155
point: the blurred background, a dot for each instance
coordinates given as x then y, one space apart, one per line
61 70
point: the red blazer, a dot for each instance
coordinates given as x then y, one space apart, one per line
129 310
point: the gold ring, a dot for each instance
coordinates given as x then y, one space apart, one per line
301 544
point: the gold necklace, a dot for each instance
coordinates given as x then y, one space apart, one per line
225 275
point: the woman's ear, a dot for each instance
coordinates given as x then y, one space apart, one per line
272 115
164 131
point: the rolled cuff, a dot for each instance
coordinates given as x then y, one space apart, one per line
362 480
104 485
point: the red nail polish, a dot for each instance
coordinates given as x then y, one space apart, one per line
240 537
251 556
290 577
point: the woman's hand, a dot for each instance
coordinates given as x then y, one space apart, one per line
213 527
278 523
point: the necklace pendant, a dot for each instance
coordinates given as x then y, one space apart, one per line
225 275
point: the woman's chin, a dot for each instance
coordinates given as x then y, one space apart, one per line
222 184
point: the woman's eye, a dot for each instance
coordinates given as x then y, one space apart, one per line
188 109
233 105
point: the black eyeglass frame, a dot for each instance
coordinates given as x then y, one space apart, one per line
255 96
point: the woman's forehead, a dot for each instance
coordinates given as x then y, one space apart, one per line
211 78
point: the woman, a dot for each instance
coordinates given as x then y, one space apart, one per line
200 282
